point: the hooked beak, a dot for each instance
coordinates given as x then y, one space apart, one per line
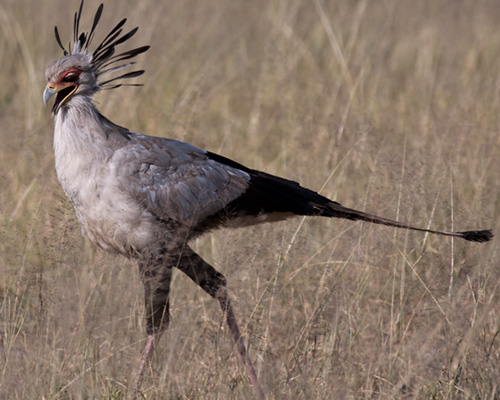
47 94
62 95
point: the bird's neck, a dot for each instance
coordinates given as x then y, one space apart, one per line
83 140
77 127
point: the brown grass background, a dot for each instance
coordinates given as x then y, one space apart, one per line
386 106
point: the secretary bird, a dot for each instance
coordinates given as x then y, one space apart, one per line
146 197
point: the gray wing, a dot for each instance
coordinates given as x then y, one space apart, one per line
177 181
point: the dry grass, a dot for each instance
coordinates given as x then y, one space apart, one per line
389 106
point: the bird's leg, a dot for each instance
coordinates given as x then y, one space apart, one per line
221 296
145 359
156 277
214 283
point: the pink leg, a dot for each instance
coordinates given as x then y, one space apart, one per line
145 359
214 283
235 332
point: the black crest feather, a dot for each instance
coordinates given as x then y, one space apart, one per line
103 57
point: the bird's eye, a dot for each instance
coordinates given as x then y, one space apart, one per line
70 77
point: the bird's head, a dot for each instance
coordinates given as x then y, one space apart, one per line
68 76
79 71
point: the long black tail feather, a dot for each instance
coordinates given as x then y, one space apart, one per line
338 211
272 194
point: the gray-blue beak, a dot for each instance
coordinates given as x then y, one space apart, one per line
47 94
